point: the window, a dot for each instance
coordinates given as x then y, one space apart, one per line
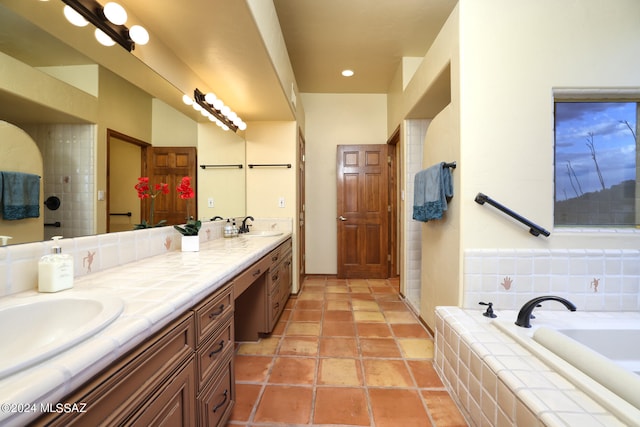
596 165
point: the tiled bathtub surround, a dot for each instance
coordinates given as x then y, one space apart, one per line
19 263
415 131
497 382
594 280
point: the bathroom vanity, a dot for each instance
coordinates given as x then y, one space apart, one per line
181 373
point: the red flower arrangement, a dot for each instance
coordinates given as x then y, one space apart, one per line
185 192
146 192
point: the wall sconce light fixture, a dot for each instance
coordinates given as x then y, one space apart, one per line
213 108
109 21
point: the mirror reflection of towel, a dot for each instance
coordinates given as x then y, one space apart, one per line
431 188
20 195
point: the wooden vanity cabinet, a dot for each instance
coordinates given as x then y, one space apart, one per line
162 369
279 283
214 358
262 292
171 379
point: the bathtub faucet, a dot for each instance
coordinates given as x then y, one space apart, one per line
525 312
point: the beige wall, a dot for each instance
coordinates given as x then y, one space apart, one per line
122 174
21 154
503 75
271 142
226 186
332 120
441 238
510 68
125 109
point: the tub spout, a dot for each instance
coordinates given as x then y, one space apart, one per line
524 315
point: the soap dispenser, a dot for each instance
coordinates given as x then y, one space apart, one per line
228 230
55 271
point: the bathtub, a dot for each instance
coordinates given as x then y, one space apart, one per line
570 368
597 352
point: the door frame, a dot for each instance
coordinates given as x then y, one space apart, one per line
395 169
301 208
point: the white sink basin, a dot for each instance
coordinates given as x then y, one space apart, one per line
263 233
33 329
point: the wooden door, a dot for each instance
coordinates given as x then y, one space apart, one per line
169 165
363 211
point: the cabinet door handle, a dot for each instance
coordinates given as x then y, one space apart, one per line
217 350
217 313
275 258
224 400
256 273
274 277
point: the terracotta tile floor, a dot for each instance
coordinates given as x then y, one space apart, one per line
344 353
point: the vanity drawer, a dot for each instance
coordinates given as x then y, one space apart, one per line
218 399
279 253
209 314
210 356
250 275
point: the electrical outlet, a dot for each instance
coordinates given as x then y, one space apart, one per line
210 202
281 202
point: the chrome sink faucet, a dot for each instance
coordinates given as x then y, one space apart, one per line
524 316
244 228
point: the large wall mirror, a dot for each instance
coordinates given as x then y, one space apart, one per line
69 103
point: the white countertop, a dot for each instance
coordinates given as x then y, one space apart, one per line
155 291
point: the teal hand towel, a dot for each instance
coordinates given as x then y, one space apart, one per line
432 187
20 195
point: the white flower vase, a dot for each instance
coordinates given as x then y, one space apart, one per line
190 243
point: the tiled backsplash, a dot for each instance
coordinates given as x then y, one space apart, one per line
594 280
19 263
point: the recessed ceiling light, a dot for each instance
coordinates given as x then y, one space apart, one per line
347 73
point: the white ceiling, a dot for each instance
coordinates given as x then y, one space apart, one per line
220 42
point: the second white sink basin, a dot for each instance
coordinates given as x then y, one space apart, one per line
263 233
36 328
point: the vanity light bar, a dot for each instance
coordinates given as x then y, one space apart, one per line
234 125
93 12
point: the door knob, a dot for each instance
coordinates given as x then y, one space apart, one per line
341 218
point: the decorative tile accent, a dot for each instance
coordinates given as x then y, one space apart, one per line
594 280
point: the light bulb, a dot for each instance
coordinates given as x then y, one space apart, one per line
197 106
74 17
210 98
103 39
225 110
115 13
232 116
139 35
187 99
224 127
218 104
204 112
242 126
